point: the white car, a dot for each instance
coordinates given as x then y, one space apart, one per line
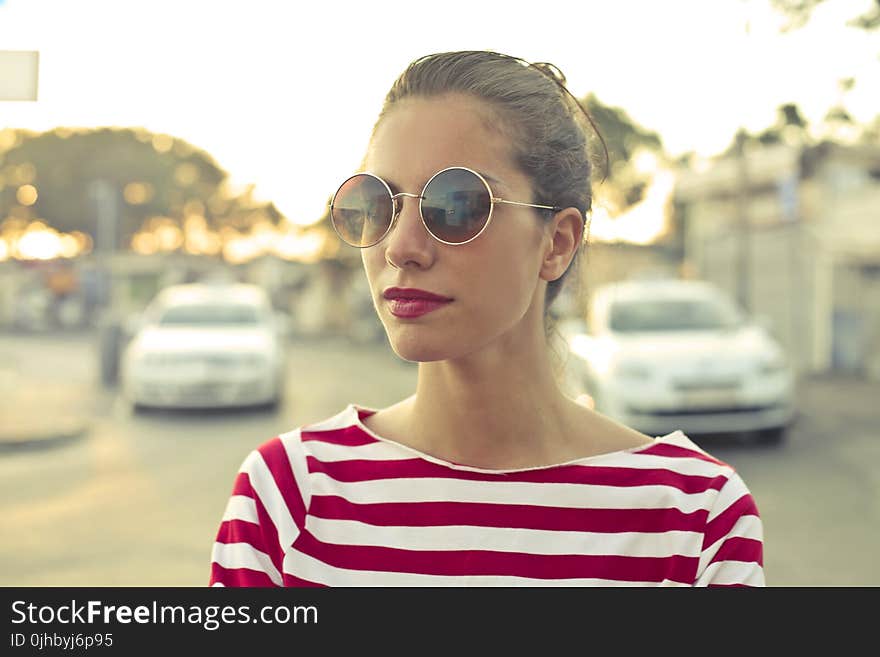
679 354
206 345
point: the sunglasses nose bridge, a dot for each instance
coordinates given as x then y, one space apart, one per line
397 202
394 197
398 208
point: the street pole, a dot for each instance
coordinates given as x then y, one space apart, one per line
743 226
104 197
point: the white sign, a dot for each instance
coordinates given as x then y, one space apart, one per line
19 74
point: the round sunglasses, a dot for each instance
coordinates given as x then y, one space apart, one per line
455 206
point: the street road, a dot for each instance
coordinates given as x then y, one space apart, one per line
138 500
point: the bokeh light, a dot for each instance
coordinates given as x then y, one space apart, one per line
26 195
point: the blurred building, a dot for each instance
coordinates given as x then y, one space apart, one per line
794 233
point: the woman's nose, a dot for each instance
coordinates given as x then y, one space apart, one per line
409 243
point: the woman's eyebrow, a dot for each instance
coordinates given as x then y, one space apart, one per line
495 183
490 179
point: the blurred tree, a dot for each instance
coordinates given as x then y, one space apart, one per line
791 115
622 135
799 12
151 175
626 141
790 124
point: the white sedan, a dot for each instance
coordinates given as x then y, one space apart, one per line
679 354
202 345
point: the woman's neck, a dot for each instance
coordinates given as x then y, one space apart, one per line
490 410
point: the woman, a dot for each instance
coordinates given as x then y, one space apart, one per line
469 212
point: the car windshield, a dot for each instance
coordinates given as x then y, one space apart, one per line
672 315
209 314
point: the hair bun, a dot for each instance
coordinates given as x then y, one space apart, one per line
551 71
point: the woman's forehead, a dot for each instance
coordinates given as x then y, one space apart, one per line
424 135
443 117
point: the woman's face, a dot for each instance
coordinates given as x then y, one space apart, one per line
492 282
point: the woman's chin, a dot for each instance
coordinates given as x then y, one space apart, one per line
415 346
416 353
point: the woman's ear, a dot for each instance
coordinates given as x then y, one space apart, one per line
565 233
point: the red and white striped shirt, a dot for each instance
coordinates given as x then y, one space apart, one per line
333 504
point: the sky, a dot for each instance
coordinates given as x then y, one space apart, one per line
283 95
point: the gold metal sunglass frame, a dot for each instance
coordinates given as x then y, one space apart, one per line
396 206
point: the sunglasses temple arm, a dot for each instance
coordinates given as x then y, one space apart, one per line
527 205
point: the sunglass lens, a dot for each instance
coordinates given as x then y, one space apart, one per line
456 205
362 210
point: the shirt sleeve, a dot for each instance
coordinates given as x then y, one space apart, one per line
261 520
733 542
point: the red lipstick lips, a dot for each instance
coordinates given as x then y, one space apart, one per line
408 303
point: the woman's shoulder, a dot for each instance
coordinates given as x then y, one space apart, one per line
679 452
612 439
343 428
346 417
682 463
678 445
696 470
